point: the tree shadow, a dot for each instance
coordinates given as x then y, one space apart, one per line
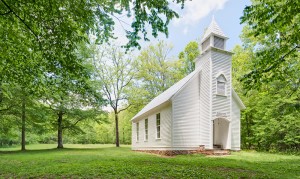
51 150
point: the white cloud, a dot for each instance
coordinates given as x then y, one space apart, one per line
195 10
185 30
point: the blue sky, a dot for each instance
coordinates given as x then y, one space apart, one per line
195 17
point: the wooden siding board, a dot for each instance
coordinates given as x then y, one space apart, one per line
221 64
205 102
164 141
186 116
235 127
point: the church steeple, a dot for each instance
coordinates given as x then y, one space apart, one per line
213 37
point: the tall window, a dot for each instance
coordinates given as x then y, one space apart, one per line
158 126
137 131
146 129
221 85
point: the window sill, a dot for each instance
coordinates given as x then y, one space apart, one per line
158 139
145 140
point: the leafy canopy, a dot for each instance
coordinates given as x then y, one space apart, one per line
40 38
276 28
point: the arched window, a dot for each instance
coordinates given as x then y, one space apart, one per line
221 85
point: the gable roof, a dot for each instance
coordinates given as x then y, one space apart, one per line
166 95
213 28
238 99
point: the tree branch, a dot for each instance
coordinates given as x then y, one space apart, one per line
72 125
20 19
124 108
282 58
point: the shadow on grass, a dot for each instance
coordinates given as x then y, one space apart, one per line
51 150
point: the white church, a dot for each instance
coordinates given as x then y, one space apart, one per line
200 111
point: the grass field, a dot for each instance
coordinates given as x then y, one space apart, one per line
106 161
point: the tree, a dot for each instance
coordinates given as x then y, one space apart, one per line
70 108
155 74
114 69
51 30
188 56
24 111
276 28
270 121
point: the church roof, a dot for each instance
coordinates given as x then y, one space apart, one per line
166 95
213 28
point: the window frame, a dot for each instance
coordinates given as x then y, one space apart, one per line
158 126
221 81
146 135
137 131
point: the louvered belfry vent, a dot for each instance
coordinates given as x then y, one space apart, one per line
213 37
219 42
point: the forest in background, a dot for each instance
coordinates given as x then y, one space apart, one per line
55 86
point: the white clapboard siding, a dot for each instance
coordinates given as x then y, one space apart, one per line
165 131
235 126
203 58
205 104
186 115
133 135
221 64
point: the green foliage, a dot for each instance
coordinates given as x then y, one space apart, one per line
188 57
106 161
276 29
268 67
44 34
115 69
271 119
155 74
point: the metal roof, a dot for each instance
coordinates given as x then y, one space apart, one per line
166 95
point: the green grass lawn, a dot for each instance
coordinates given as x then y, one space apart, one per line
106 161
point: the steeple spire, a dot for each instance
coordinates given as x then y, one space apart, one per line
213 37
214 29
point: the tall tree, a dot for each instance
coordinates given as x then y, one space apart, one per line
70 108
18 105
156 72
114 69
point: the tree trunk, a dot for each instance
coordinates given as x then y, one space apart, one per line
59 130
23 142
117 129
